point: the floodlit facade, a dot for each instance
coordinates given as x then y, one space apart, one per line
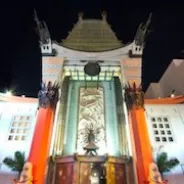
91 123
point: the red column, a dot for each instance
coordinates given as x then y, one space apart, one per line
40 145
143 150
39 153
142 143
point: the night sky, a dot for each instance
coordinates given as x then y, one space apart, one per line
21 58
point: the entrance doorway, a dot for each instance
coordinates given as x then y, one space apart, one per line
92 173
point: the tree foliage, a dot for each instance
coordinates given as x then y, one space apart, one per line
16 163
164 164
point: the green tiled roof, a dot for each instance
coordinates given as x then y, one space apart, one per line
92 35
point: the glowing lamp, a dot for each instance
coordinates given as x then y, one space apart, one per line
8 93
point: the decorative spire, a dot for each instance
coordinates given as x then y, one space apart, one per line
42 29
142 32
104 16
80 16
36 18
134 96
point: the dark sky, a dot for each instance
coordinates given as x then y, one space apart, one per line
20 55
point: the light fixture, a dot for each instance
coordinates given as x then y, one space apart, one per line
60 172
8 93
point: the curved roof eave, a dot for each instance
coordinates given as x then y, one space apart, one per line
64 51
80 50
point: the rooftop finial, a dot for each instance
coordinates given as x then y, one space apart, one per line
104 15
142 31
36 17
41 29
80 15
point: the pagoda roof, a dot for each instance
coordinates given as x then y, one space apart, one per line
92 35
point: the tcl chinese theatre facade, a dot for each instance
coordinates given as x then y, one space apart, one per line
90 127
91 141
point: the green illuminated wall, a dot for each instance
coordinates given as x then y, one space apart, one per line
112 140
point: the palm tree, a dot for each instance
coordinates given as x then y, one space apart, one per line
164 164
16 163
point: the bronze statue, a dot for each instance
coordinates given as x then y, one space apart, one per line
91 146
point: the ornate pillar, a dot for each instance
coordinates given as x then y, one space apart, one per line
135 102
39 153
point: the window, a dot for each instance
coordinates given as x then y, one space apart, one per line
170 139
23 138
168 132
16 137
161 126
14 124
27 124
28 118
164 139
21 124
154 126
16 118
157 139
159 119
22 118
19 129
25 131
161 129
167 126
12 131
10 137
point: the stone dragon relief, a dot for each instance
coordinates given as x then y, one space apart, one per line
91 119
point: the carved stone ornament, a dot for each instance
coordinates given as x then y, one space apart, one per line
91 124
134 96
48 95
